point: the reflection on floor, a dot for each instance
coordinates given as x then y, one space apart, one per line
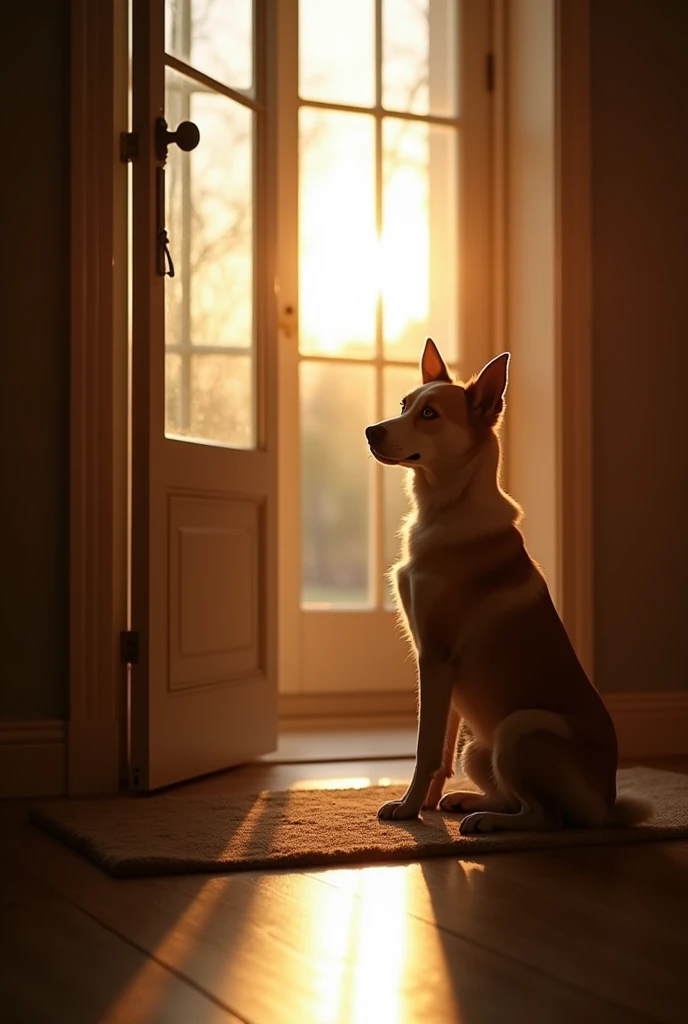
550 936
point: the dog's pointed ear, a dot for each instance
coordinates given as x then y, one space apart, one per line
485 394
432 364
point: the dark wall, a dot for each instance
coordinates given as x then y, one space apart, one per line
640 295
640 291
34 340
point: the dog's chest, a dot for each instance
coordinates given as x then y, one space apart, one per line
433 600
449 596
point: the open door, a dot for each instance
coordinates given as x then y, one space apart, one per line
203 684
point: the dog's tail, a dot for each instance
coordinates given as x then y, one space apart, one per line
630 810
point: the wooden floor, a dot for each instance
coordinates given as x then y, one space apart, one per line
594 935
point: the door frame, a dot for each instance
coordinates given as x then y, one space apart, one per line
573 289
98 395
307 635
99 370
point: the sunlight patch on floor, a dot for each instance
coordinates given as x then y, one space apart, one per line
379 946
470 868
240 839
146 995
355 782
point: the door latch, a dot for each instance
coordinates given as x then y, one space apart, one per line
187 137
164 264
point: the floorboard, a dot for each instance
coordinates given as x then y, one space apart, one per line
60 966
553 911
300 746
562 935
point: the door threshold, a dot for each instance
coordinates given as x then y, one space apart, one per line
345 744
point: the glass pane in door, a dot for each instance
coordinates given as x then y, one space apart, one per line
214 36
209 314
338 246
337 51
419 238
419 56
337 403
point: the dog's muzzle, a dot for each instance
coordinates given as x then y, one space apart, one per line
375 435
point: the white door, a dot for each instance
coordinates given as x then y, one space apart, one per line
385 239
203 691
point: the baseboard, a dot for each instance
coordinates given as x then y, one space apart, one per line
33 755
342 711
650 724
33 759
647 724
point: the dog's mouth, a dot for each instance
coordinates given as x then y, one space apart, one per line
393 462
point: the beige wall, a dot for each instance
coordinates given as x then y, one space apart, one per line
34 399
640 309
530 281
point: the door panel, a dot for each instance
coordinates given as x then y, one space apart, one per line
204 692
214 558
386 127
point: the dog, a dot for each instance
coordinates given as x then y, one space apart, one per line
499 682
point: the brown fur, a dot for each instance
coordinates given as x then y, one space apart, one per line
495 663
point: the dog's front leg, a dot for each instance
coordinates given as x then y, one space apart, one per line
436 679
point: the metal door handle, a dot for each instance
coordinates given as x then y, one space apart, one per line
187 137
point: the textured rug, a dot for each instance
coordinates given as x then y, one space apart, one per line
177 834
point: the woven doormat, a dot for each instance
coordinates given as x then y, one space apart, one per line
178 834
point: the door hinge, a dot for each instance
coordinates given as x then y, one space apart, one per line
129 646
128 146
489 71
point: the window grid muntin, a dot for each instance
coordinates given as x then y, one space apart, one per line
377 584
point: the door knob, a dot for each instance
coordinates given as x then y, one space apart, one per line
187 137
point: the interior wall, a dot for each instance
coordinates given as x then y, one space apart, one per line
34 383
639 96
530 274
639 84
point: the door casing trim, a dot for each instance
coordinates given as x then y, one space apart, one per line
99 367
98 395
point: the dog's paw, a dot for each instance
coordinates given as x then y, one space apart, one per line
461 801
396 810
481 821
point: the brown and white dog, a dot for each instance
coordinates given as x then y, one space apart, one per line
498 676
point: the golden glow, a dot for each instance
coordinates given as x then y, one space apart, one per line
380 947
240 839
149 995
471 868
360 928
345 266
333 921
405 248
355 782
143 999
338 247
349 262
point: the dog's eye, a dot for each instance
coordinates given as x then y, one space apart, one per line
429 413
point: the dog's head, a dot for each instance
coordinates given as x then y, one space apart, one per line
441 422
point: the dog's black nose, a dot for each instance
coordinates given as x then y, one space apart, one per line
376 434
